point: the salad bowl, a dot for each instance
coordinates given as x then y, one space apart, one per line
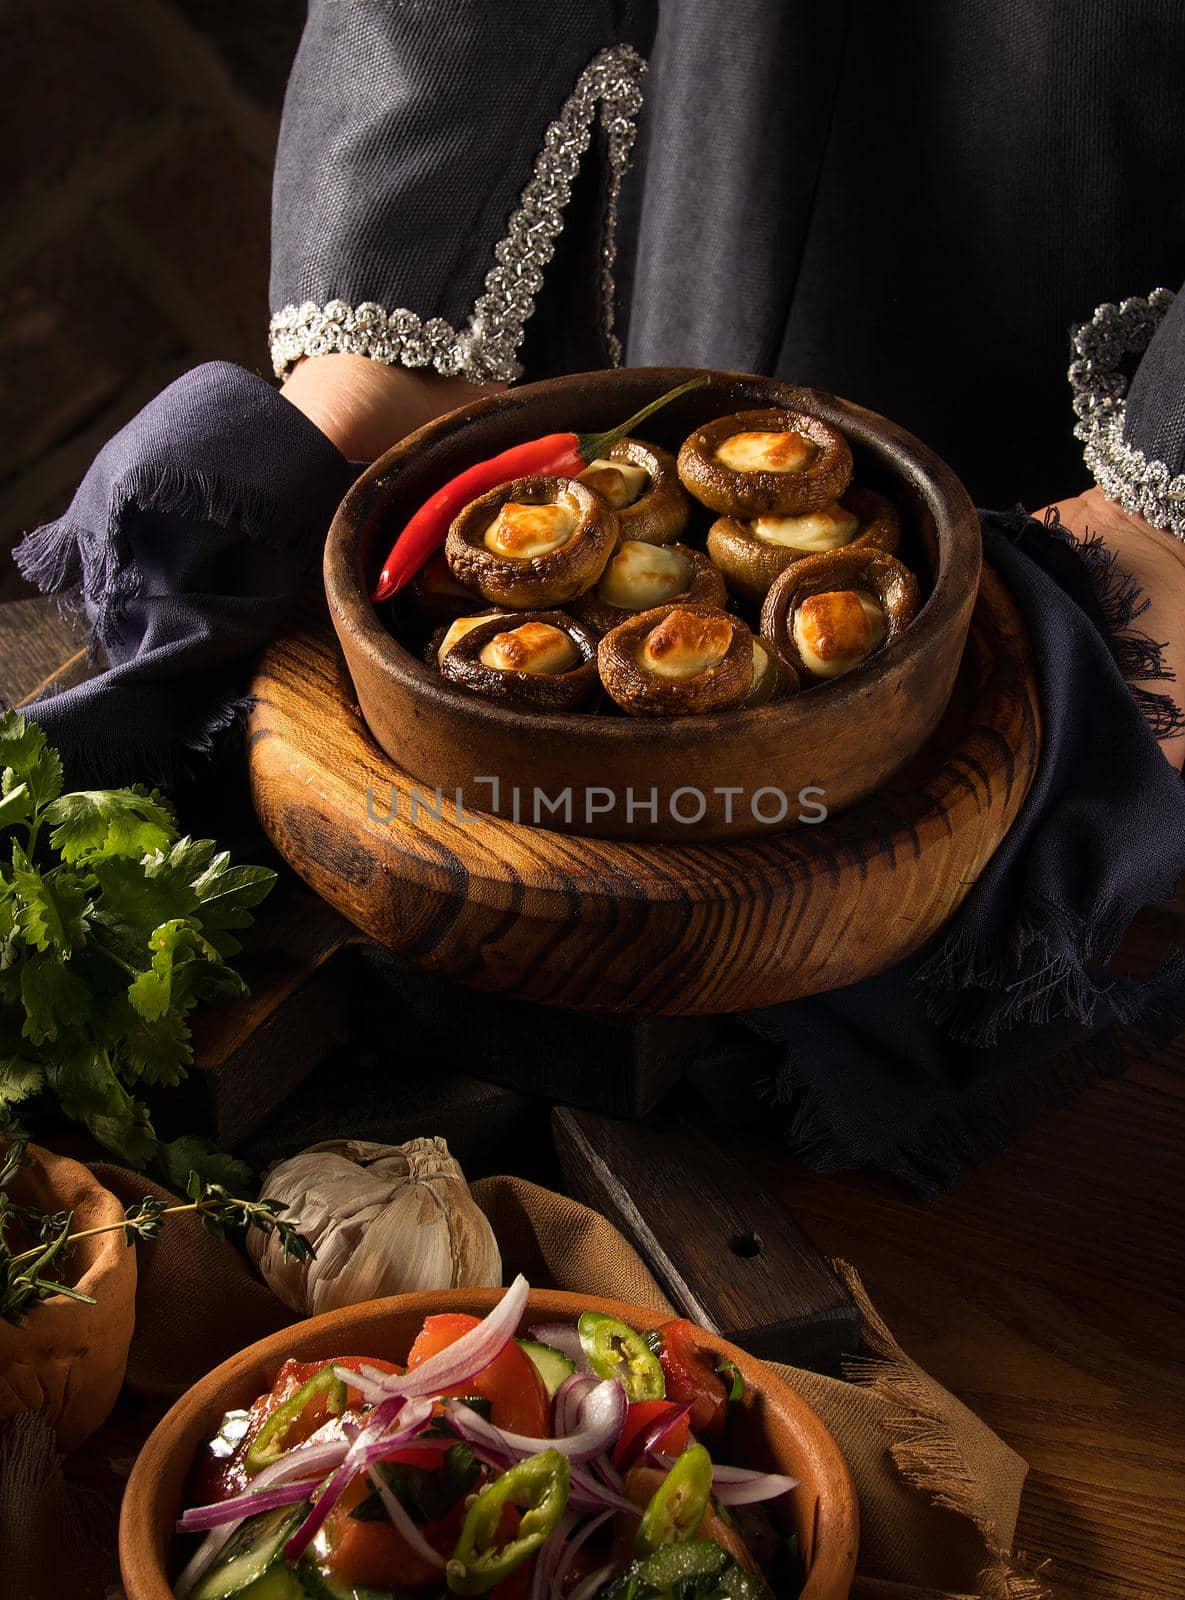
842 741
770 1429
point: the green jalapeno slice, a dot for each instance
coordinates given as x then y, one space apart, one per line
677 1507
268 1444
538 1487
614 1350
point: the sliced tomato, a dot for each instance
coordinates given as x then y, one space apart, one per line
375 1555
691 1375
511 1382
640 1416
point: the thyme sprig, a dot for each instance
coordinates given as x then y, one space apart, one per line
31 1275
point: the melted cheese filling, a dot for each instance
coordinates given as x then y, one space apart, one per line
536 647
819 530
684 645
835 632
643 575
523 532
458 630
618 482
766 452
761 666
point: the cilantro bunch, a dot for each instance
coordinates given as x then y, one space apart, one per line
112 929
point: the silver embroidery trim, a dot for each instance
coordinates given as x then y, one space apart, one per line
485 350
1122 472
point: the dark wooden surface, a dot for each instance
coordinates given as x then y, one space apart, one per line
730 1256
1047 1289
39 648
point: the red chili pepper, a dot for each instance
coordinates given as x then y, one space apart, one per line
555 455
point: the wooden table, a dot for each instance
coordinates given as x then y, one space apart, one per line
1045 1290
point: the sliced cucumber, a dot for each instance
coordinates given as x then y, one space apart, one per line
553 1366
279 1582
254 1551
320 1585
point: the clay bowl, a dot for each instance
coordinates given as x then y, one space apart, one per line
66 1361
774 1428
845 738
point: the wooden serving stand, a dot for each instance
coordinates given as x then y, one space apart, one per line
633 929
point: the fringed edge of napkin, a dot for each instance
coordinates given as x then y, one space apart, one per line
1121 602
1044 971
53 557
926 1456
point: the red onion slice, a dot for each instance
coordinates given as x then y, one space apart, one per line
589 1494
569 1552
460 1361
740 1486
568 1398
370 1445
199 1519
602 1413
549 1556
592 1584
750 1489
605 1469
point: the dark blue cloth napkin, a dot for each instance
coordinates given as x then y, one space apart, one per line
947 1056
200 521
186 541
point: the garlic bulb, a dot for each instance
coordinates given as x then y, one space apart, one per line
383 1219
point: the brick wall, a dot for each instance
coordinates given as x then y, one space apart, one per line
135 175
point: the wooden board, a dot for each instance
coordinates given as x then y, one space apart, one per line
729 1254
636 929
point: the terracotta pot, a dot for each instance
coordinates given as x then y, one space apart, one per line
774 1429
845 738
67 1358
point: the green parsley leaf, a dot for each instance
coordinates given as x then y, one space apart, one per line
110 822
156 1052
17 802
141 892
18 1080
54 998
28 760
184 968
111 930
180 1157
52 908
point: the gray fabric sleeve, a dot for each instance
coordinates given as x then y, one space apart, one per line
426 156
1134 436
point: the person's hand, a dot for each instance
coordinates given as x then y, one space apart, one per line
364 407
1157 562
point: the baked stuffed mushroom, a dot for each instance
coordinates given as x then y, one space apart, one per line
829 613
444 638
641 482
640 576
546 661
766 463
676 661
773 676
532 542
752 552
436 595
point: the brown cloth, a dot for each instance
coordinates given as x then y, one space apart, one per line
938 1491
